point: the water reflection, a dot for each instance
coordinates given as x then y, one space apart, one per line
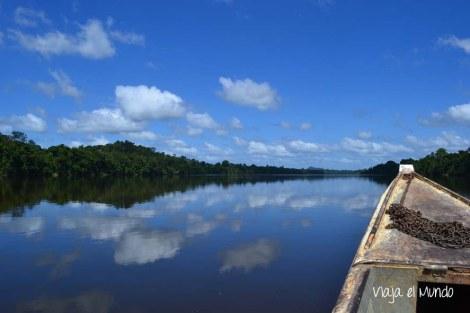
198 226
18 196
59 264
88 302
147 243
147 246
27 225
251 255
100 227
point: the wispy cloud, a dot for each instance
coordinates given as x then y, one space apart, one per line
236 123
28 17
129 38
364 135
92 40
63 85
305 126
453 41
104 120
372 148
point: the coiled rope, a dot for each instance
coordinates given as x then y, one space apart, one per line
446 234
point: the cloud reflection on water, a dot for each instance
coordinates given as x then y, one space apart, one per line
100 227
147 246
87 302
60 264
22 225
259 253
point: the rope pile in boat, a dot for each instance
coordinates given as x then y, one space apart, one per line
447 235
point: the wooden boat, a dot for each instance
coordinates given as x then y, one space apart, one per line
406 265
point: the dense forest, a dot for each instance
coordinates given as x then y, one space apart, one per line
22 157
438 165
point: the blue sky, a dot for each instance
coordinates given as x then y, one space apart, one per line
338 84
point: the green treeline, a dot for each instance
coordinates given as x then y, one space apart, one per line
439 165
20 157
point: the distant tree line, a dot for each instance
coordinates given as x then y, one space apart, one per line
437 165
20 157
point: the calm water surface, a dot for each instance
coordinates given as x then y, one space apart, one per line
176 246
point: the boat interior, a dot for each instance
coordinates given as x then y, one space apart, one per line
391 268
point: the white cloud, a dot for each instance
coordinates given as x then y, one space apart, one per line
99 141
128 37
372 148
92 141
203 120
260 148
249 93
180 147
100 120
453 41
91 41
217 150
236 123
249 256
455 114
194 131
142 102
27 17
364 135
310 147
27 122
305 126
447 140
63 84
147 247
75 144
143 135
460 113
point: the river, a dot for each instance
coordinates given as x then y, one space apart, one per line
174 245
